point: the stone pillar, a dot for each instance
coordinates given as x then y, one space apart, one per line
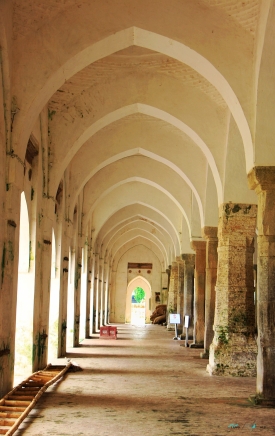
8 285
63 295
100 294
173 292
164 287
188 293
233 350
42 285
180 288
199 293
168 272
210 234
96 294
95 311
77 291
89 292
92 293
112 294
106 292
262 179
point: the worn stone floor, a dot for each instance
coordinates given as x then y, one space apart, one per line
145 383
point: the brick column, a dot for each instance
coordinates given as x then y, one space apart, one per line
199 293
210 234
188 293
262 179
233 350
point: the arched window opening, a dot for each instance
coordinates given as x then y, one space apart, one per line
25 296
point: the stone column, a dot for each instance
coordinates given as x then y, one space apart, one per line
233 350
188 293
8 285
173 292
100 292
199 293
262 179
180 288
63 295
164 287
96 294
168 272
92 293
77 291
95 311
89 291
210 234
106 292
42 286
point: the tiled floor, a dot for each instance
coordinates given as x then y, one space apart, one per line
145 383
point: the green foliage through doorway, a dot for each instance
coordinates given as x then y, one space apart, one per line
139 294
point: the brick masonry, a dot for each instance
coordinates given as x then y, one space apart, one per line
233 350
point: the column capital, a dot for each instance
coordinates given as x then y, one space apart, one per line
210 232
188 258
15 171
198 245
179 260
261 178
229 210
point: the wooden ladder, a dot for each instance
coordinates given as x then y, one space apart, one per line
17 404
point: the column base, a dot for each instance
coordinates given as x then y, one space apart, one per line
236 356
196 345
258 400
204 355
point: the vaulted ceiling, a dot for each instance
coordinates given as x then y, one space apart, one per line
153 110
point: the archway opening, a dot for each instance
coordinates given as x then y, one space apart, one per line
138 306
25 296
138 282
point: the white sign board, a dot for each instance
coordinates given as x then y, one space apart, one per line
186 321
174 318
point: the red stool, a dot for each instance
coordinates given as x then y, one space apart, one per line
113 332
104 332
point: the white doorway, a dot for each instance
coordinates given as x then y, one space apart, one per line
138 312
138 306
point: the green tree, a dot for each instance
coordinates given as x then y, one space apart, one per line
139 294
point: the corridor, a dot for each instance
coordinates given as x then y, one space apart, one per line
145 383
